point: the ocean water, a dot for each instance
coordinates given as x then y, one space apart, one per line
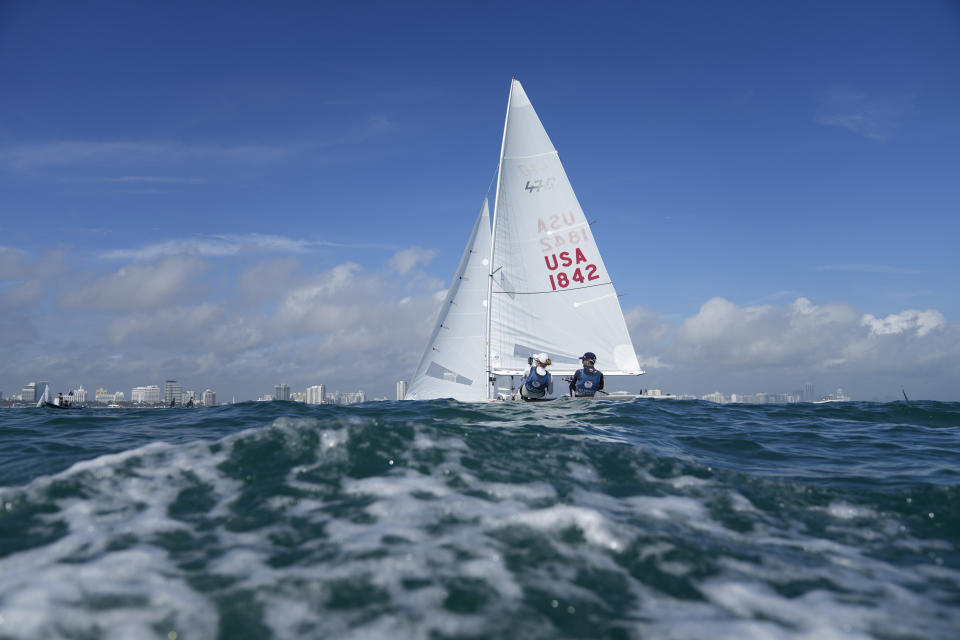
643 519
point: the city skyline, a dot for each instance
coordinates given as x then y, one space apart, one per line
316 394
772 187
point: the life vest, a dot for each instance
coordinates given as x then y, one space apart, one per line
588 383
535 384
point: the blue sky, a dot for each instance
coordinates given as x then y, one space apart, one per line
239 194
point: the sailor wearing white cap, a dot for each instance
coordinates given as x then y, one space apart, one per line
538 382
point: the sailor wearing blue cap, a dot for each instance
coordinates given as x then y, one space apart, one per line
586 381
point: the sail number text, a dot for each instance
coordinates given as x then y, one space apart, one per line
580 275
534 186
555 231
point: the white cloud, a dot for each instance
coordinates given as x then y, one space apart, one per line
24 280
403 262
778 348
350 327
873 118
138 286
12 262
224 245
921 322
646 327
62 153
268 279
800 334
170 325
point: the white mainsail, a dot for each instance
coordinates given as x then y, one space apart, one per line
454 362
549 289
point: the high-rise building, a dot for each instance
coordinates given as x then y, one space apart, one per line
172 392
808 395
149 394
281 392
315 394
104 396
29 392
80 395
209 398
401 389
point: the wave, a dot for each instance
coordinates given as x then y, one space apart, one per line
443 520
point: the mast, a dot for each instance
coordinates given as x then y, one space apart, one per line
493 240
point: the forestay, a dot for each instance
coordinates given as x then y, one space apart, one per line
550 290
454 362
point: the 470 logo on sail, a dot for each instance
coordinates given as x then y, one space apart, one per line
561 280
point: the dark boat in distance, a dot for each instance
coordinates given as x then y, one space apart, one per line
51 405
61 402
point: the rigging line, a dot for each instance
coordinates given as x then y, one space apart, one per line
492 181
533 293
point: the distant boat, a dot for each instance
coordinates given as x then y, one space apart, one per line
45 402
836 396
533 283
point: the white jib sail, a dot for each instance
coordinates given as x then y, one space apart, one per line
454 362
550 290
45 397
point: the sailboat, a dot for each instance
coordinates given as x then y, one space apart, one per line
56 404
534 282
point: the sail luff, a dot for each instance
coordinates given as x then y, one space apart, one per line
496 199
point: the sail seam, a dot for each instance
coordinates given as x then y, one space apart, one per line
536 155
532 293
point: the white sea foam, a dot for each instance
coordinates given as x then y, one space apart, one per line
444 525
845 511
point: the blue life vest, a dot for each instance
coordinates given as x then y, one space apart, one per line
536 384
588 383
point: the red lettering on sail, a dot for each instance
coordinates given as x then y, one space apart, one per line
547 260
580 256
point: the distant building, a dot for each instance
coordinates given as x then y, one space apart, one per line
281 392
808 394
149 394
102 395
79 395
315 394
717 397
346 397
172 392
209 398
299 396
29 392
401 389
